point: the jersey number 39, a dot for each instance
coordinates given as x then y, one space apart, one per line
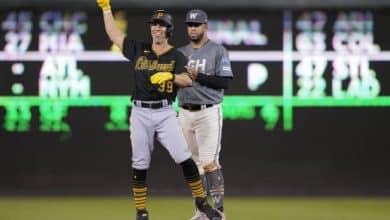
166 87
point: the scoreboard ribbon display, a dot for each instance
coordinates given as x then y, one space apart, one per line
52 62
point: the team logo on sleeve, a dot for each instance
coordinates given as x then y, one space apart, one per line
226 64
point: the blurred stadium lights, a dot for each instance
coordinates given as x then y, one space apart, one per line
226 4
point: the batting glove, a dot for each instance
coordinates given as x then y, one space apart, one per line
104 4
161 77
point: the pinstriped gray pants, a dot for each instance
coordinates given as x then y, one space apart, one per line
144 124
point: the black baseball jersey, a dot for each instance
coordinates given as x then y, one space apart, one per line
146 62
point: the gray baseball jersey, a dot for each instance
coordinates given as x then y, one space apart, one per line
211 59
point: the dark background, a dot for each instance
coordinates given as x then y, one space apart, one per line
330 151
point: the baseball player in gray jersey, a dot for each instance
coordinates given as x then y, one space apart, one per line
200 113
159 69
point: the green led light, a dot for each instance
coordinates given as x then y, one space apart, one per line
53 111
118 117
270 113
18 116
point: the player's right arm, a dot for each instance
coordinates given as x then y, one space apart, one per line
113 32
182 80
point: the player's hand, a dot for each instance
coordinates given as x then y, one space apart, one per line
192 73
161 77
104 4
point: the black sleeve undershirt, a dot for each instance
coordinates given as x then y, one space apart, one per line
214 82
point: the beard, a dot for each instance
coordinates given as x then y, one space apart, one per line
197 39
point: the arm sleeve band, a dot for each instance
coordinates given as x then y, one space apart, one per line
215 82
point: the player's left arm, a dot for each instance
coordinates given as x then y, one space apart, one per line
214 82
180 76
223 72
183 77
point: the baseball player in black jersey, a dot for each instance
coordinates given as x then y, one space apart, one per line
200 112
159 69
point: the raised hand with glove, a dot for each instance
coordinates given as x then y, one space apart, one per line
113 31
104 4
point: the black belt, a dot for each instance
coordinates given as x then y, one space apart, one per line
152 104
194 107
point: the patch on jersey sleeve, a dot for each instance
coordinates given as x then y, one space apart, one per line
225 62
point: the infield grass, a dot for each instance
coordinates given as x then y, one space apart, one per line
181 208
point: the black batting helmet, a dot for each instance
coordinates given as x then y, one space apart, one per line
164 16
